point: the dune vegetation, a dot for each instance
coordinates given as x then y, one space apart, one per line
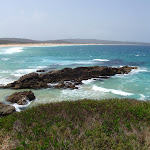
83 124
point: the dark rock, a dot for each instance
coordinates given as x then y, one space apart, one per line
32 81
21 97
6 109
37 81
23 101
66 85
60 85
29 77
77 83
40 70
125 70
70 85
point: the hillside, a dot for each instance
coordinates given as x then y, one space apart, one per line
27 41
84 124
95 41
65 41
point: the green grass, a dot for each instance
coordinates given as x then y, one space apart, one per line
118 124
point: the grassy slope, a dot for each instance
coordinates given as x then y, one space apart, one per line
85 124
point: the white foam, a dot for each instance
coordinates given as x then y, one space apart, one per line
37 67
5 81
75 94
12 50
82 92
75 63
143 97
17 107
83 62
118 92
5 59
21 72
52 84
100 59
135 71
5 71
88 81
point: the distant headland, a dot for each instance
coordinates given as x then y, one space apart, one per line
28 42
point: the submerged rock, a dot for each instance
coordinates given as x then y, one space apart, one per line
6 109
21 98
37 81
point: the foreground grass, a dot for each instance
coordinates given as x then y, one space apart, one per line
86 124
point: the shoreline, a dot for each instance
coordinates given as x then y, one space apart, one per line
54 44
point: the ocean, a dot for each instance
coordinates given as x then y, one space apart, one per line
18 61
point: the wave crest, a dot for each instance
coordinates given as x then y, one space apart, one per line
118 92
100 59
12 50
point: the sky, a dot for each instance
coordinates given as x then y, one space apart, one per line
119 20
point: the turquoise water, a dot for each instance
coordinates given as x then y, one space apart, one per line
17 61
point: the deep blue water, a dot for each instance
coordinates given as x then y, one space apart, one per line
17 61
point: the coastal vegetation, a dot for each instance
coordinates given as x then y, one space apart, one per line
83 124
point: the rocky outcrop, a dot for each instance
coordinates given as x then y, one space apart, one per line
66 85
21 98
6 109
76 75
31 80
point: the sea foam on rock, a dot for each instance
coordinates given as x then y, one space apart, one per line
75 75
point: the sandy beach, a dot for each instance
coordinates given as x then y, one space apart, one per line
53 44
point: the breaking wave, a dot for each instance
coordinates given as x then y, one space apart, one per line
118 92
12 50
100 59
20 107
21 72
